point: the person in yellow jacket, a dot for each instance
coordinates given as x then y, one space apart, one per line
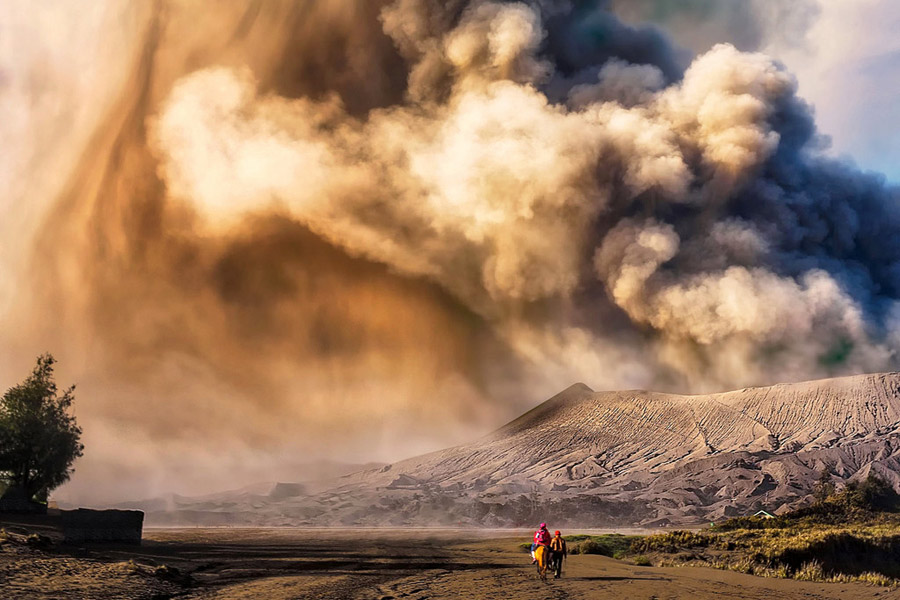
558 547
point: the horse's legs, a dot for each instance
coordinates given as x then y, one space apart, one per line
542 557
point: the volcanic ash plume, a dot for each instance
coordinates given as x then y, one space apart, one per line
352 219
698 201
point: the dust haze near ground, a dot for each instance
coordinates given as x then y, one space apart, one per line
289 230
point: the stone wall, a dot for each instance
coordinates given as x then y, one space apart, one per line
19 506
85 525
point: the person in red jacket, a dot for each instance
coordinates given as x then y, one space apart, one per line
541 538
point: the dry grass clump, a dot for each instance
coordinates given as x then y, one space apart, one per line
853 535
810 571
806 552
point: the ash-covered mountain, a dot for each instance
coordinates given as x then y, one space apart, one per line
619 458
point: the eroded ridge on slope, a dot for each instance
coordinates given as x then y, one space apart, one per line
683 457
587 434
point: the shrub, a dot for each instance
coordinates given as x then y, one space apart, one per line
671 542
605 545
751 523
591 547
642 561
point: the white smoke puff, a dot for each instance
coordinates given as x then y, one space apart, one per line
503 155
723 106
620 82
497 41
757 326
516 176
224 152
649 151
507 172
733 313
630 255
412 26
490 42
416 28
500 168
755 303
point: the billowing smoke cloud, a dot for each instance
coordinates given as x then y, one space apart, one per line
318 227
820 42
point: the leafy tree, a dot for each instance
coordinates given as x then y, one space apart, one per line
39 439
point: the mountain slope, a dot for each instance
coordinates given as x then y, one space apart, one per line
634 457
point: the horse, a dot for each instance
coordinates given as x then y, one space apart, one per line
542 556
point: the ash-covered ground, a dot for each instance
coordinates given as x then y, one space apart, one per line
282 564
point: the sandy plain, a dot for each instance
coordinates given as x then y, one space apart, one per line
282 564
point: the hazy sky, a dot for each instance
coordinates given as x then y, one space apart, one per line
301 230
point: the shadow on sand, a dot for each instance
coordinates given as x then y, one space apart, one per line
615 578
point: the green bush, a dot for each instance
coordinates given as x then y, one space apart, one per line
605 545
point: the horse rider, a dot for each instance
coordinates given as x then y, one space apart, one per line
541 538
